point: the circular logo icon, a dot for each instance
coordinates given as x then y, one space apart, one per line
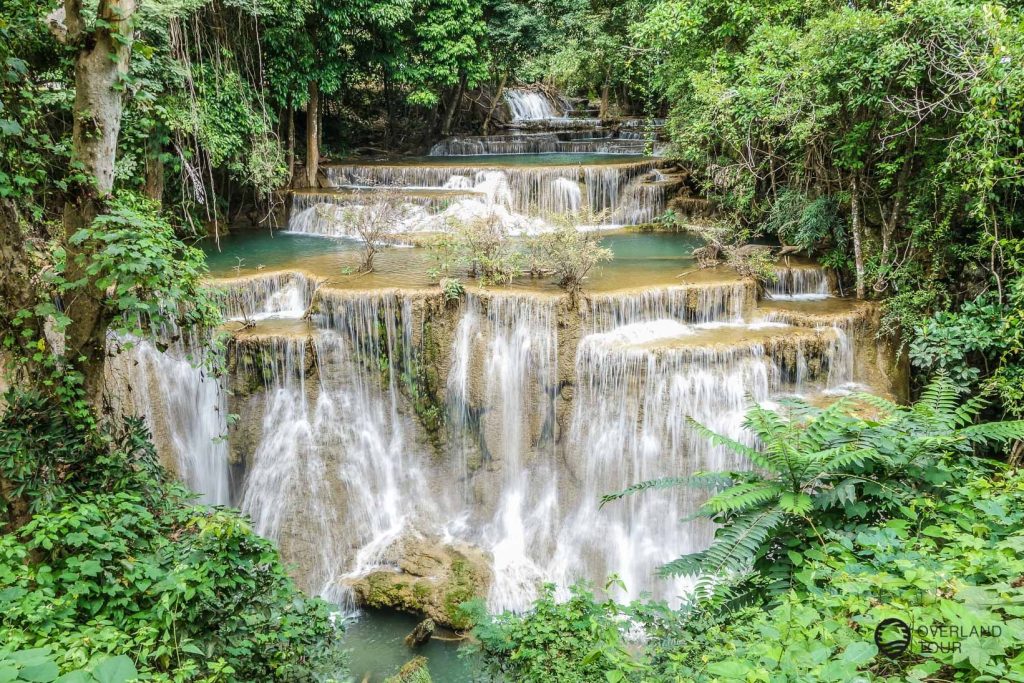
892 636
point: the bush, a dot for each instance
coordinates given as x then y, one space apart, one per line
106 557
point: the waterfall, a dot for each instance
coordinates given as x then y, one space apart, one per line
693 303
531 105
335 477
570 141
271 295
621 191
799 283
539 425
517 376
498 421
184 407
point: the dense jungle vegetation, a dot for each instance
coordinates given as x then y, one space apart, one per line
886 139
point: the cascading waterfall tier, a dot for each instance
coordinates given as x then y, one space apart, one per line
578 142
799 283
544 407
182 403
334 474
635 391
689 303
533 105
280 294
623 193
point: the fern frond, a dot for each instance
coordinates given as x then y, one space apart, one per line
828 426
735 547
736 447
845 457
776 436
742 497
971 408
998 432
883 405
939 400
701 480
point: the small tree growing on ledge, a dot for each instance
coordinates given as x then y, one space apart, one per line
374 218
569 253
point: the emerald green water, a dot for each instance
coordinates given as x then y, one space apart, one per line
375 642
640 259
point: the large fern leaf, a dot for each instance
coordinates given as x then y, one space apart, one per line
734 549
736 447
989 432
742 497
701 480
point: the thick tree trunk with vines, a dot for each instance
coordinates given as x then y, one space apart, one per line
494 102
154 170
857 229
453 106
290 114
100 69
313 134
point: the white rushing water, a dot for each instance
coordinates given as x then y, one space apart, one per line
532 105
184 407
339 470
521 196
335 476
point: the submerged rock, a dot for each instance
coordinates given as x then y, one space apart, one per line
432 578
421 633
413 671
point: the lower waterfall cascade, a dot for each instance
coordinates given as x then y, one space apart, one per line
498 422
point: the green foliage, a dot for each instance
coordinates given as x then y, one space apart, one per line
983 340
109 567
814 225
414 671
40 666
483 247
132 254
947 559
570 251
573 641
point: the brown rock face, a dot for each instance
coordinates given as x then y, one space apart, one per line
432 579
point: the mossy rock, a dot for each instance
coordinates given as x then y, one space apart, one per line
413 671
433 579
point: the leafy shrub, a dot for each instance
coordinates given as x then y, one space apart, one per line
578 640
105 557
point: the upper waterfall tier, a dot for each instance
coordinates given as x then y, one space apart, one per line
620 190
534 105
635 142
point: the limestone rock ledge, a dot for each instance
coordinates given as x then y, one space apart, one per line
432 578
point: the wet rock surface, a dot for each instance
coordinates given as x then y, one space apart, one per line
431 578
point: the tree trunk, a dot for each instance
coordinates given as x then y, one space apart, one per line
858 231
494 102
313 134
604 96
100 67
154 169
389 106
453 106
291 141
